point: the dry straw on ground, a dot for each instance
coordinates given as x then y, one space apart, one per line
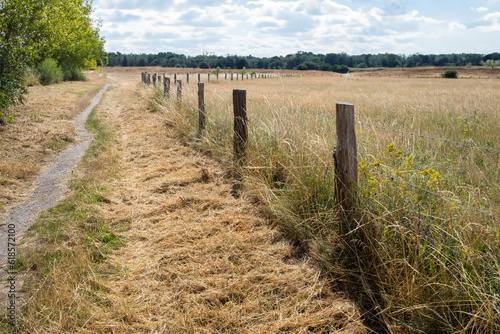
197 260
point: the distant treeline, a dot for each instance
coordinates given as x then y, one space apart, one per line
337 62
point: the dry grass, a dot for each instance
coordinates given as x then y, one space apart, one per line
194 259
429 263
42 127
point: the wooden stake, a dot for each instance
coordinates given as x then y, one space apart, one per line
179 91
345 157
166 88
201 106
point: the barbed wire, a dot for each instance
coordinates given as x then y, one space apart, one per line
395 177
429 137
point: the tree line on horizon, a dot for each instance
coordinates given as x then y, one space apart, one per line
336 62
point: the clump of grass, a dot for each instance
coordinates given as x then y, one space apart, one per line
417 261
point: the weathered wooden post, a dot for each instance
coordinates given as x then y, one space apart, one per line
240 135
179 91
247 76
231 76
346 158
225 76
201 106
149 79
159 80
166 88
154 80
199 77
240 123
175 78
217 75
208 79
187 78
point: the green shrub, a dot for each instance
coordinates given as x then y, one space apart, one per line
308 65
71 73
49 72
451 74
203 64
340 68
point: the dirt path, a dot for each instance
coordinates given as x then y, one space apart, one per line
50 186
196 259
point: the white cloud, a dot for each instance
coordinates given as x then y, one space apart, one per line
267 27
452 26
492 22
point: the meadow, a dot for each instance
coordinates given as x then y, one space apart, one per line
422 254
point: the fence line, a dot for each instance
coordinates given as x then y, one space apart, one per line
344 163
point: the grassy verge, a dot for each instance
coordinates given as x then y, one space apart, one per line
64 252
416 261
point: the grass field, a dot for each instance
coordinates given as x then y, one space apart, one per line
425 254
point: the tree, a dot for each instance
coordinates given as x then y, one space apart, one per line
34 30
450 74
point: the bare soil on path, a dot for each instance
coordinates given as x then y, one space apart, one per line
197 260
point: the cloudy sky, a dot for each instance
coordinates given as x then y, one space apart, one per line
272 27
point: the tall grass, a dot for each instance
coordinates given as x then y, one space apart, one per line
420 260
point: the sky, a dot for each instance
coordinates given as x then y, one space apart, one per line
266 28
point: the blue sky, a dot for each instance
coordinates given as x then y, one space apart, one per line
268 27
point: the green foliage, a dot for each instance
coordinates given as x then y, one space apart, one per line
203 64
308 65
302 67
293 61
491 63
34 30
216 71
340 69
450 74
49 72
72 73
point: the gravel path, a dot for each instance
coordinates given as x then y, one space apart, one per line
50 187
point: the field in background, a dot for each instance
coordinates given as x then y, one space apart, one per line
425 255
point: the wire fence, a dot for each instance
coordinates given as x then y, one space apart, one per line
223 95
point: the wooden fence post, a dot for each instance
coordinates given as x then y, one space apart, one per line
225 76
345 157
240 123
175 78
208 78
199 77
166 88
187 78
179 91
149 79
201 106
154 80
159 80
240 136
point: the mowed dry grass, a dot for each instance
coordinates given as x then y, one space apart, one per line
42 127
197 260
